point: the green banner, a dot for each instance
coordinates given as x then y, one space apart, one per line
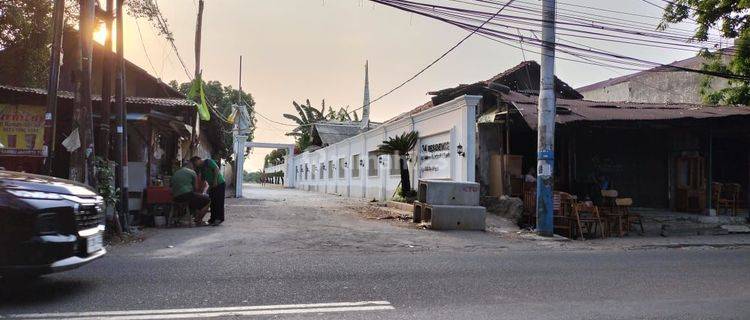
196 94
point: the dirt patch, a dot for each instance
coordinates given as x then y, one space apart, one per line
377 212
124 239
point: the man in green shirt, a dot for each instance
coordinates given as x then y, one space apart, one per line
211 173
187 189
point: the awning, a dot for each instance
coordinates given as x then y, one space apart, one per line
163 121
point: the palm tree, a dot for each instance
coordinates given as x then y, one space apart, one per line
307 115
400 146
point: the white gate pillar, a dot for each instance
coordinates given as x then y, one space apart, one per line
239 161
290 175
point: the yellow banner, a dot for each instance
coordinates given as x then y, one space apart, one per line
21 129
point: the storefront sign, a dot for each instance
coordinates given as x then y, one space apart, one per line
435 157
21 130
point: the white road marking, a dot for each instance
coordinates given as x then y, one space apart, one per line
212 312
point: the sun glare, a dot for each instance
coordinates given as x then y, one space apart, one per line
100 34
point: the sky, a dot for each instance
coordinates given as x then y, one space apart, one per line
295 50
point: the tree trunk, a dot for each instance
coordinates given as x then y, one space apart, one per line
405 181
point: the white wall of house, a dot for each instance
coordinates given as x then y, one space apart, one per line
444 130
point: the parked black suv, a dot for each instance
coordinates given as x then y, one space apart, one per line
47 224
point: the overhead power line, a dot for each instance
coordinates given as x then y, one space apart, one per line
145 51
464 19
421 71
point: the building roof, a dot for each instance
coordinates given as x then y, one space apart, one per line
693 62
570 111
524 78
67 95
330 132
516 78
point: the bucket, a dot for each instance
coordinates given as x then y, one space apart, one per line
160 221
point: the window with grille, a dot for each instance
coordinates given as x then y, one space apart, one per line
342 166
372 164
330 169
355 166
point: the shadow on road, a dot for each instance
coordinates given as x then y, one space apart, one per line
30 291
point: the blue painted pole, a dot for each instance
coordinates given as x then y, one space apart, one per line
546 124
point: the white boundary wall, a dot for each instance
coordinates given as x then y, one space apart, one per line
279 167
442 129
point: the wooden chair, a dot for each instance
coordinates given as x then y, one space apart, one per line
728 197
716 194
612 216
623 205
562 218
587 216
529 206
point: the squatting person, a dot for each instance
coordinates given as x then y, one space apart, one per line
211 173
186 188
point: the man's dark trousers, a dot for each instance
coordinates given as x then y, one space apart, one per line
217 202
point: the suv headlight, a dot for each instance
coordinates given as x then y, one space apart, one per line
35 194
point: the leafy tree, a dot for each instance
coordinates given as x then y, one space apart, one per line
732 19
276 157
252 176
401 146
26 37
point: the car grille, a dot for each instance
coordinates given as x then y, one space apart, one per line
87 218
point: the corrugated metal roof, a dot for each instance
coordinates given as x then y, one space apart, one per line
67 95
570 111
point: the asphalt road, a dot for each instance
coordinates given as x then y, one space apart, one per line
297 255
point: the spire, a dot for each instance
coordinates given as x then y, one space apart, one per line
366 102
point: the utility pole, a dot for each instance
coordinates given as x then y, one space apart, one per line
239 92
81 160
197 76
198 30
121 149
50 117
102 145
546 124
239 140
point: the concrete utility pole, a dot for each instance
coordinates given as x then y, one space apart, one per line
546 124
82 160
239 140
197 76
121 142
53 83
198 31
239 92
102 145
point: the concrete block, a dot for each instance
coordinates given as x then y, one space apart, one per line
446 192
445 217
418 209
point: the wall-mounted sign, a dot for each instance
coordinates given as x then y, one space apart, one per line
21 130
435 157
